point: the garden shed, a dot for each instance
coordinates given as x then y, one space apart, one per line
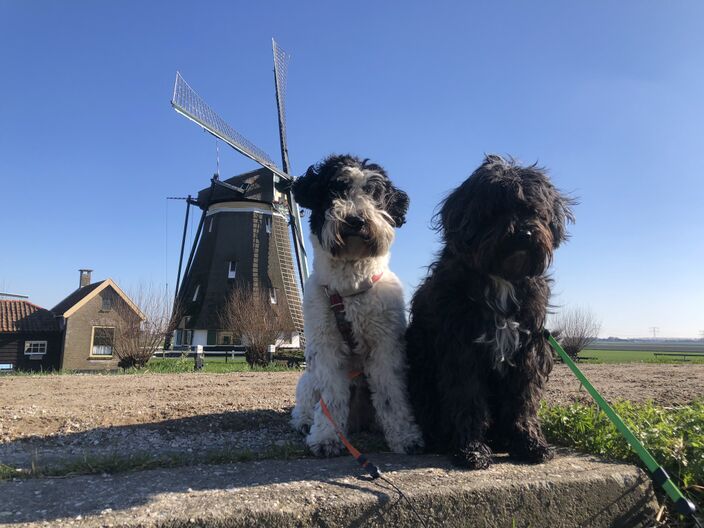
30 337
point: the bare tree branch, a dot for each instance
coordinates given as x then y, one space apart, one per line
136 340
576 329
257 321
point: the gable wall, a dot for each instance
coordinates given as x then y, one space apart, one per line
78 335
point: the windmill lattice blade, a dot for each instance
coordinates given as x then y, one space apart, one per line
187 102
280 78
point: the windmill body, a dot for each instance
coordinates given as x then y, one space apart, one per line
244 243
242 240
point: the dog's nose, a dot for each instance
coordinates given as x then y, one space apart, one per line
354 221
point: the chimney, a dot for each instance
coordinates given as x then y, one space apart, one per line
85 277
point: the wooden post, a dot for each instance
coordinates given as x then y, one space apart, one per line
199 357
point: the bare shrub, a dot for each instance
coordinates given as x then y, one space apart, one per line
257 321
138 336
576 328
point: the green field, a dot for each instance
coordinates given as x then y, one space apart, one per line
634 356
216 365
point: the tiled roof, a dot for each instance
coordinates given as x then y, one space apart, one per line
74 298
23 316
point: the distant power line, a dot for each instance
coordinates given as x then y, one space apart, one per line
654 330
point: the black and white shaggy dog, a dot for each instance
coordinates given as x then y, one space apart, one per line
354 210
478 358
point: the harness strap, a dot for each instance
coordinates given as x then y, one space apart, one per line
343 324
337 305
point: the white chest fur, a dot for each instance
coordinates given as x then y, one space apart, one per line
505 338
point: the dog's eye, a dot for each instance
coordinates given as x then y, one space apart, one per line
337 188
373 190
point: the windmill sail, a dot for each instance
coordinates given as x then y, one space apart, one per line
189 104
280 78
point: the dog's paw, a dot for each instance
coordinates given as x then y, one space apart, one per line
415 447
531 450
300 426
409 441
304 429
475 455
325 448
411 445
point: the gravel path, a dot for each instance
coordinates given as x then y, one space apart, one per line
45 419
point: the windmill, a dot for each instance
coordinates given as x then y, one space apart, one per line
242 238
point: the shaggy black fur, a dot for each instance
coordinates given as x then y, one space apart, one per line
319 186
488 288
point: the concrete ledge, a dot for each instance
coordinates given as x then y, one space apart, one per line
572 490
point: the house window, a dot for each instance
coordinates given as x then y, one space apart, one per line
195 295
227 338
267 224
232 269
272 295
103 341
106 303
224 338
34 347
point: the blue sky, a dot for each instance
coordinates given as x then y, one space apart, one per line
607 95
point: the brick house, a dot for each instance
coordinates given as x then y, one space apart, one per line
30 337
89 318
76 334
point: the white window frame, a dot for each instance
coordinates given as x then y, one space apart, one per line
273 296
92 346
195 294
29 348
267 224
232 273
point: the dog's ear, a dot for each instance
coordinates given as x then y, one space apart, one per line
561 215
397 203
308 189
456 217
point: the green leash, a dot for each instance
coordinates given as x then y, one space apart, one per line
657 472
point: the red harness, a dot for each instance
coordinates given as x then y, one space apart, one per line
337 306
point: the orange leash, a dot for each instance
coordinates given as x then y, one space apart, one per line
362 460
359 457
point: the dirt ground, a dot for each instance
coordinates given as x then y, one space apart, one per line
210 403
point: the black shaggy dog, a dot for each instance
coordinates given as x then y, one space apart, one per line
478 358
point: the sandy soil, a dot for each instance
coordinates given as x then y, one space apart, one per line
197 403
45 405
663 384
